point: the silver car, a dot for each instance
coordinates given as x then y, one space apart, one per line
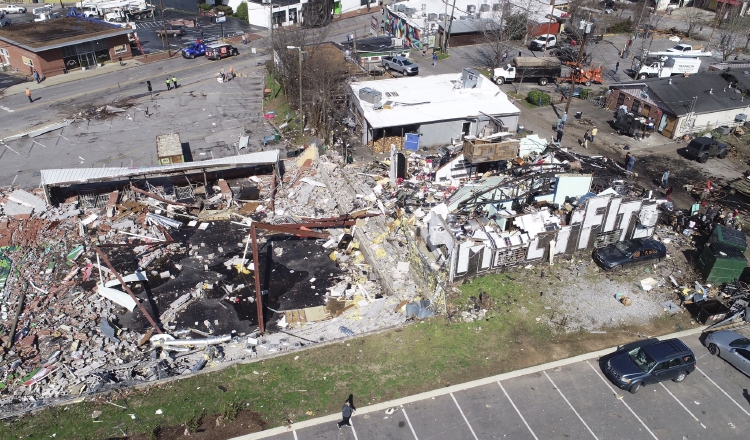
732 347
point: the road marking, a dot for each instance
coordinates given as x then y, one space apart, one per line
722 390
295 435
353 431
409 422
517 411
464 416
683 406
6 109
623 401
571 406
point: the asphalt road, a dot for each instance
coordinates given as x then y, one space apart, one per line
576 401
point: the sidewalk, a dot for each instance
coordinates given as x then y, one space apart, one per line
111 66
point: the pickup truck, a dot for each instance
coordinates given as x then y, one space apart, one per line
12 9
193 50
400 64
171 31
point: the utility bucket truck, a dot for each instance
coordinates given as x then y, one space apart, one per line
663 69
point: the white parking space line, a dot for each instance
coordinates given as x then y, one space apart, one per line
683 406
464 416
517 411
409 422
722 390
571 406
6 109
623 401
295 435
353 430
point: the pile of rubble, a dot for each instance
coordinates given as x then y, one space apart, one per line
101 290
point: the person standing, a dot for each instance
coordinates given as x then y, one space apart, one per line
617 66
169 84
222 75
28 94
424 50
631 163
150 89
564 120
559 137
36 76
346 414
627 159
586 139
244 39
174 81
594 131
665 179
231 73
434 59
669 193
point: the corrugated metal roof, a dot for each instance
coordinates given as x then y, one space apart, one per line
82 175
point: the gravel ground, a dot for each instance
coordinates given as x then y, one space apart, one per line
583 298
579 296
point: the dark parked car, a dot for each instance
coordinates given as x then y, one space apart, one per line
732 347
650 363
637 250
219 51
702 148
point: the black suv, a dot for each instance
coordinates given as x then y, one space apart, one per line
651 362
702 148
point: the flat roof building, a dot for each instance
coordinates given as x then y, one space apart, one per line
440 109
56 46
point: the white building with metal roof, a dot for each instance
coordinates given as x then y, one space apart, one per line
441 109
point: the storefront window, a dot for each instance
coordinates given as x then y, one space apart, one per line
85 54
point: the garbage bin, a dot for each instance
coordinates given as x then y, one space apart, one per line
578 115
520 129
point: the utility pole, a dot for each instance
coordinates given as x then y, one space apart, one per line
164 23
549 25
716 22
586 27
447 31
445 25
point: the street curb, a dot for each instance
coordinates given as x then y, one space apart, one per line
451 389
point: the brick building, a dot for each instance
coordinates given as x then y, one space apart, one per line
681 105
55 46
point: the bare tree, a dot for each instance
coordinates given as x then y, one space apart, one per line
323 76
695 20
499 30
733 29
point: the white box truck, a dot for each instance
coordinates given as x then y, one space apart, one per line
670 67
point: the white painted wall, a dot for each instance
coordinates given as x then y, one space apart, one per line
711 120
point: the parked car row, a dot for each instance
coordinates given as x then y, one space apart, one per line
652 361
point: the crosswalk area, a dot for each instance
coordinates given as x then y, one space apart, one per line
149 24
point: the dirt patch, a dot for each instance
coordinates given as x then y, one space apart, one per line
213 427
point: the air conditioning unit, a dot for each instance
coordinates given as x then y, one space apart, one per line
397 42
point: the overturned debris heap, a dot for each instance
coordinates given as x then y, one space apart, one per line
132 276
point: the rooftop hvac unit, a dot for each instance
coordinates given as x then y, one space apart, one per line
470 78
424 7
411 11
432 16
377 106
370 95
400 7
484 8
742 117
471 9
397 42
463 17
388 105
441 17
496 7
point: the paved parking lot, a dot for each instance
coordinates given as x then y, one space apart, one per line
573 401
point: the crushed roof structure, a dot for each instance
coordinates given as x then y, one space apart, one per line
71 176
423 99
